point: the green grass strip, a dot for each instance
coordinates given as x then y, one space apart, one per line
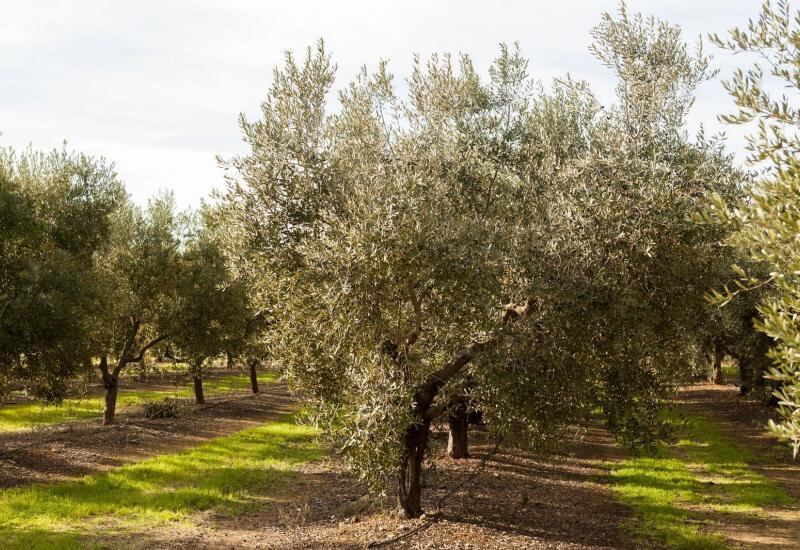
678 491
28 415
226 475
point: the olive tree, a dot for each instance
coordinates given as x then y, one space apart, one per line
482 241
767 222
139 271
211 307
56 212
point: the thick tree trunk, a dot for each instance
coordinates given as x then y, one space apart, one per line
457 420
198 389
111 384
409 474
111 401
253 376
229 360
718 378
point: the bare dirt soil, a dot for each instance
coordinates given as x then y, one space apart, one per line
518 500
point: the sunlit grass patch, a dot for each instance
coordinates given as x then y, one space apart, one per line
31 414
224 475
676 491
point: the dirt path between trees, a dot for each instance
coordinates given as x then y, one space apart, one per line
518 500
744 421
75 449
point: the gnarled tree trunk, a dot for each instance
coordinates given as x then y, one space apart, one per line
111 384
253 375
415 440
409 475
458 424
111 378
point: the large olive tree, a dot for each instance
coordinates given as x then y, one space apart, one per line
489 242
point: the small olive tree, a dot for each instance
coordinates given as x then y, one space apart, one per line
139 268
487 242
211 308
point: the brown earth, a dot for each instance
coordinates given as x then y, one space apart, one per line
518 500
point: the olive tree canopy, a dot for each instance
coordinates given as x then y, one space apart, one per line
522 246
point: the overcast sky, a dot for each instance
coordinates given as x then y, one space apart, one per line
156 86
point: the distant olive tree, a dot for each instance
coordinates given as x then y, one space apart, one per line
139 269
211 308
480 242
767 221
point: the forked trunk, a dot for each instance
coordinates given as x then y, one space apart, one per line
458 424
198 389
253 376
409 474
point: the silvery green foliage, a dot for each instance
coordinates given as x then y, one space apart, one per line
392 234
767 222
139 267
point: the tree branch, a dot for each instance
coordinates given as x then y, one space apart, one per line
430 388
147 347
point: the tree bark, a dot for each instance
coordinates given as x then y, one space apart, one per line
111 378
717 366
111 403
458 424
409 475
229 360
415 440
253 375
198 388
111 384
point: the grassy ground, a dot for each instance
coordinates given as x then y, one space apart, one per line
679 493
32 414
228 475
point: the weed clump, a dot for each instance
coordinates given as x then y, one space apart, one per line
169 407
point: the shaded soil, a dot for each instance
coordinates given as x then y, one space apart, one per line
75 449
518 500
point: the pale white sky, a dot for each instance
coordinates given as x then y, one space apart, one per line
156 86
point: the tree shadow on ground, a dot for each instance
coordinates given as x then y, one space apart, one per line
518 500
